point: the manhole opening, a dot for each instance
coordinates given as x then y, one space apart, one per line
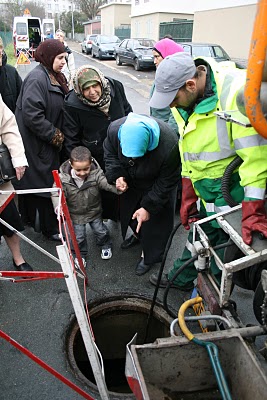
114 325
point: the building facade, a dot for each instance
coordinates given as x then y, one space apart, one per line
115 14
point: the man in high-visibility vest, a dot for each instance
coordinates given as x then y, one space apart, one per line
196 89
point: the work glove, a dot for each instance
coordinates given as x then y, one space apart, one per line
188 203
253 219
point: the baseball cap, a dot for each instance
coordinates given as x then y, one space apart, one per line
171 75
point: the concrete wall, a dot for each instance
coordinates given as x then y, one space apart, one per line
231 28
92 28
113 16
148 25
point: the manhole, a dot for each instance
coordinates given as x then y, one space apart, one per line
115 320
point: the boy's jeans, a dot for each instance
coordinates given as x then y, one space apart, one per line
101 234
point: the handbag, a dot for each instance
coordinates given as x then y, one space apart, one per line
7 171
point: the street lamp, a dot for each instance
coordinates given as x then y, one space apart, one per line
72 22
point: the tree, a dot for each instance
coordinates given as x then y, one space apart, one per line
90 7
36 9
66 22
17 7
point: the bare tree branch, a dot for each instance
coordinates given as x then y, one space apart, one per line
90 7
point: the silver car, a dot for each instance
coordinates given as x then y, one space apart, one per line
103 46
86 45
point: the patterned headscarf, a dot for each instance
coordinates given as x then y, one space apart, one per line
46 53
86 76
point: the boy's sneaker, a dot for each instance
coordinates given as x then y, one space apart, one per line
106 254
76 263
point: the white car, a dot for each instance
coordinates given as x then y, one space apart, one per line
87 44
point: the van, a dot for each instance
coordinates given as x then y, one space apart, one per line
27 34
48 26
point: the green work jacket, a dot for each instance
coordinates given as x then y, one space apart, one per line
208 143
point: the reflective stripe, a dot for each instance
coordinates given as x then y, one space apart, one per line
211 156
211 208
222 133
250 141
226 90
226 87
254 192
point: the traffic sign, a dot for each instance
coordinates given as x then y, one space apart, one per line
23 59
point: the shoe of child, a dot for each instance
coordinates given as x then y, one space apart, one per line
76 263
106 254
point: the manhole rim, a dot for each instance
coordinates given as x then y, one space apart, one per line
100 306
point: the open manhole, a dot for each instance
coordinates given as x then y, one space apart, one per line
115 320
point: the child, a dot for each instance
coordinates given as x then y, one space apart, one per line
82 179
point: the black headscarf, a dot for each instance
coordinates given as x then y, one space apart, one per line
46 53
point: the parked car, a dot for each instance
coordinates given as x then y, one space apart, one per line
86 45
206 50
103 46
137 52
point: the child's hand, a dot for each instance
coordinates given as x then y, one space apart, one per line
121 184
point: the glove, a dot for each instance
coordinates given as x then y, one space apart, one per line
57 139
253 219
188 203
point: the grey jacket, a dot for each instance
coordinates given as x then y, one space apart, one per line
84 203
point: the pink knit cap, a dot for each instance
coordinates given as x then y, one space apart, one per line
167 47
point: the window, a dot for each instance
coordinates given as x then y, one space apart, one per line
21 28
201 51
123 44
49 6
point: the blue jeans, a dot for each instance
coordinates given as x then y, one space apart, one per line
101 234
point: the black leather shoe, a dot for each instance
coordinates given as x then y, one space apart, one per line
130 242
142 268
165 281
54 238
23 267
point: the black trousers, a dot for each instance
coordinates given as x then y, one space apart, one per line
38 212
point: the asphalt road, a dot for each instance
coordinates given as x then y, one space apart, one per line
37 314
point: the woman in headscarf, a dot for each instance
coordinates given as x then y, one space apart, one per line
163 48
142 157
39 115
69 68
95 102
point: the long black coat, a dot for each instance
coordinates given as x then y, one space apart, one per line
87 126
152 181
39 113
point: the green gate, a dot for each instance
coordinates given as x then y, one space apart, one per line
180 30
6 37
123 32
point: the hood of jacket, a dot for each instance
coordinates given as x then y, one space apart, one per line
65 170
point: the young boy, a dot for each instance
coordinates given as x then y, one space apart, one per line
82 179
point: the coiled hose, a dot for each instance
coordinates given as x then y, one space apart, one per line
226 181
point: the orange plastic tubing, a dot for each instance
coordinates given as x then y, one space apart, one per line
255 70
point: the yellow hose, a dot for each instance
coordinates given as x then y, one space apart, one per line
181 312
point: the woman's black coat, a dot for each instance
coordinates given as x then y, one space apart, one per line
152 183
87 126
39 113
